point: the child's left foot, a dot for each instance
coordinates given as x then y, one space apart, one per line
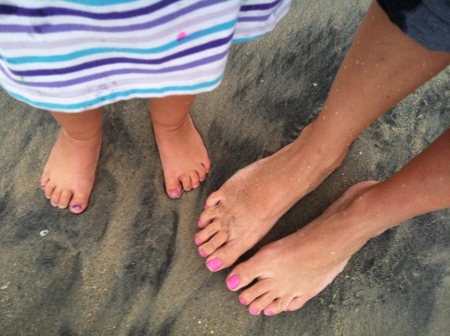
183 155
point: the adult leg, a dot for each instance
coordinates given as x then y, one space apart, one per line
69 174
296 268
183 155
382 67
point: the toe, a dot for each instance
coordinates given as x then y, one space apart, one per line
207 165
48 190
54 200
213 244
278 306
195 180
204 235
230 252
64 199
242 275
173 186
213 199
44 180
262 302
79 203
296 303
254 292
208 216
186 182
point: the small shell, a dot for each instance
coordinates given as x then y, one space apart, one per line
43 233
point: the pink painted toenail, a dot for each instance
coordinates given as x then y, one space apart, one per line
202 253
195 186
233 282
199 223
206 206
76 206
174 193
269 313
214 264
242 301
197 241
286 310
254 311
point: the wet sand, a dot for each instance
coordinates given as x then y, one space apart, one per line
128 265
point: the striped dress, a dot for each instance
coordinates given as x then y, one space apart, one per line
75 55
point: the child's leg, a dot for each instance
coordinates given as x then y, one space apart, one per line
183 155
70 170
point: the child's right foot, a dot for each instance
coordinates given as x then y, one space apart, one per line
69 174
183 155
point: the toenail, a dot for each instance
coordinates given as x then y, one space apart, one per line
202 253
269 313
199 223
195 186
174 193
286 310
242 301
233 282
53 204
197 241
254 312
62 206
214 264
47 197
206 206
76 206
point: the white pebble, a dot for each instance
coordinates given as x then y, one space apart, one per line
43 233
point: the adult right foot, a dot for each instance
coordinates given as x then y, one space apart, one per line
69 174
247 206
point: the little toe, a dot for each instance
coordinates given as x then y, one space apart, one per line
214 243
54 200
262 302
296 303
64 199
186 182
79 203
278 306
213 199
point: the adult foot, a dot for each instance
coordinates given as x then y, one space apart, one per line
183 155
246 207
69 174
294 269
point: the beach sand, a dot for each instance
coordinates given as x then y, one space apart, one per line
129 266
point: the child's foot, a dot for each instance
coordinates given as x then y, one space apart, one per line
291 271
69 174
246 207
183 155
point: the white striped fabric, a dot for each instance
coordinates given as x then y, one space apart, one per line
75 55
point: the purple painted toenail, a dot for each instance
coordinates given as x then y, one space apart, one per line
197 241
202 253
199 223
76 206
174 193
242 301
233 282
269 313
254 311
214 264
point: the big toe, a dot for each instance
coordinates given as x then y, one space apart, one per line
173 186
79 202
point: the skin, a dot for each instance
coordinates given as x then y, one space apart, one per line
381 68
69 173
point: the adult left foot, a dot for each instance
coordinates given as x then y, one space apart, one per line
291 271
183 155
